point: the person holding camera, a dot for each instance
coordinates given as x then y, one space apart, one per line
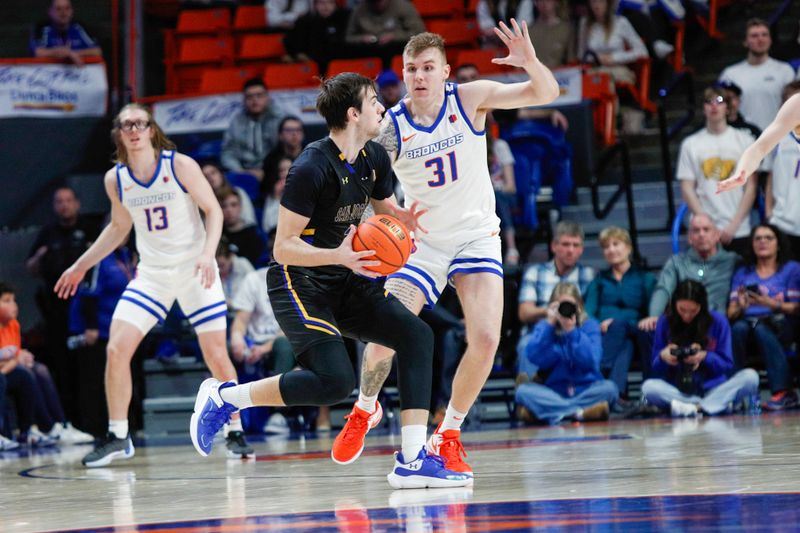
566 349
692 359
765 294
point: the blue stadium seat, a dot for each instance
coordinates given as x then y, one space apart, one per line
248 182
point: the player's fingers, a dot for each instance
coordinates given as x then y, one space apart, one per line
351 232
365 253
506 30
501 35
517 29
525 33
500 60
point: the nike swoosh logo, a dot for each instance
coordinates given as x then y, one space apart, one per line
203 441
129 187
406 139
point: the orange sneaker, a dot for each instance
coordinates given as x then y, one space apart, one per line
448 445
349 442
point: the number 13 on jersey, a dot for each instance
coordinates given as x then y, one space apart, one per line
439 171
156 218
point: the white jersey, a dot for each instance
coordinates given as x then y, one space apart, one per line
167 220
786 186
444 167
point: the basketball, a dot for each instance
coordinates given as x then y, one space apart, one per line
390 240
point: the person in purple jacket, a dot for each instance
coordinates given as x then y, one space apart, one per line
692 358
564 352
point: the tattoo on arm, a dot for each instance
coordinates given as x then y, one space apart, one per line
372 379
388 136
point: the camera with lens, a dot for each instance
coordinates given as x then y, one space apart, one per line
683 352
685 380
567 309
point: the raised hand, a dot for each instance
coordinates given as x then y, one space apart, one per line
410 217
520 48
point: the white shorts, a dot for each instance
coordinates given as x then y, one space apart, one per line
148 297
433 265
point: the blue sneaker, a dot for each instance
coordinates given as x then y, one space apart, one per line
210 414
426 471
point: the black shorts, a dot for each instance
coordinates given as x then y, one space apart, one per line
312 311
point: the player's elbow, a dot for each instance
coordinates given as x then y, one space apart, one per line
552 90
279 251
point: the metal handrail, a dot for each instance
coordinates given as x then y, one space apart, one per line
608 156
668 132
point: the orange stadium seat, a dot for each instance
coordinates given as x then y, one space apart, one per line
226 80
249 18
203 21
598 87
260 47
196 54
288 75
640 90
397 65
456 32
367 66
439 8
482 59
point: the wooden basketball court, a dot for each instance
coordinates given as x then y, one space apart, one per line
732 473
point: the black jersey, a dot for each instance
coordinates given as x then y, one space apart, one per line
334 193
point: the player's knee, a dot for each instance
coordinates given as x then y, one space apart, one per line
412 330
116 353
483 341
337 389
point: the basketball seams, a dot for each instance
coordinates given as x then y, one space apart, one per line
390 238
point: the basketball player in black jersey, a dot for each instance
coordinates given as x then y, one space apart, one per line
321 291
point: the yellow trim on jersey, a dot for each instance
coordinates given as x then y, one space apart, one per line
309 231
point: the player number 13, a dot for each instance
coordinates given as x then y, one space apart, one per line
156 218
438 170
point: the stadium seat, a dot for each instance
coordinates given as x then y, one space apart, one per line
640 90
456 32
367 66
397 66
249 18
482 59
226 80
286 76
195 55
247 182
255 47
597 86
439 8
203 21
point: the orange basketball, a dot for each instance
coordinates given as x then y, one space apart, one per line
390 240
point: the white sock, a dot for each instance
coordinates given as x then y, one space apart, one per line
452 419
367 403
235 424
119 428
238 396
412 439
579 414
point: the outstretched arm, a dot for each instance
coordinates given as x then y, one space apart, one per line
540 89
108 240
787 119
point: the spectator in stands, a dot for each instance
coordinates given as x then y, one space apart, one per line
501 170
704 262
245 236
733 99
491 12
282 14
57 245
382 27
319 35
274 184
390 90
564 353
611 39
553 37
708 157
760 77
539 279
618 298
90 316
61 37
290 144
782 192
232 268
765 294
22 380
216 178
692 359
252 133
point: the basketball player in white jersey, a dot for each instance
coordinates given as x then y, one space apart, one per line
436 139
786 121
158 192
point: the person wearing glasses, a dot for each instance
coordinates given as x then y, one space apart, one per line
765 297
252 133
160 193
708 157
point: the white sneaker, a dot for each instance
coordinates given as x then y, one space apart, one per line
7 445
37 439
682 409
277 425
662 48
69 434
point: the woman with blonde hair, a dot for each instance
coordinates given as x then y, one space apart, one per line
564 351
618 298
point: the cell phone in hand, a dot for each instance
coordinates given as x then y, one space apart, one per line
753 287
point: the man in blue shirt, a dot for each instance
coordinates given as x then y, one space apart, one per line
61 38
